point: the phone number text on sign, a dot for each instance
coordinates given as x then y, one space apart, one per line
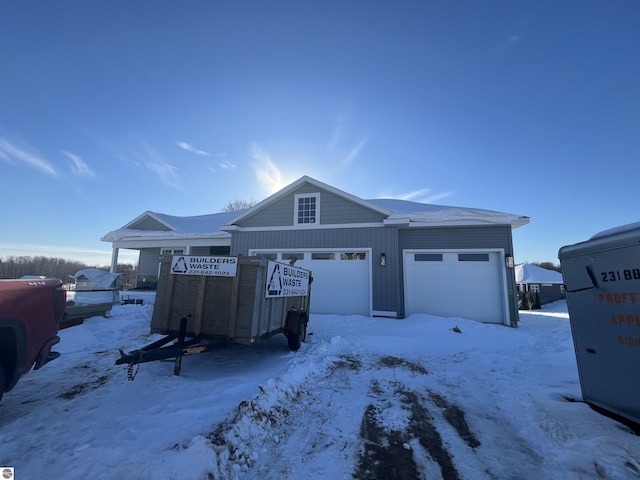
211 266
286 281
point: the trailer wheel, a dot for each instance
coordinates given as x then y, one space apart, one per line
294 339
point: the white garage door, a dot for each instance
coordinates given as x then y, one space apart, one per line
341 279
463 284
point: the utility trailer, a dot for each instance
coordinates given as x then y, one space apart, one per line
602 282
203 301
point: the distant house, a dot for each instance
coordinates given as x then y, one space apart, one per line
544 285
385 257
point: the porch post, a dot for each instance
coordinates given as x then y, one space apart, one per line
114 260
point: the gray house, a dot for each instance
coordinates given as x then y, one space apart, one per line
389 258
542 285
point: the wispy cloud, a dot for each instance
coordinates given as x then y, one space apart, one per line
341 142
6 158
355 151
10 153
424 195
267 171
338 133
226 165
78 166
511 42
190 148
167 174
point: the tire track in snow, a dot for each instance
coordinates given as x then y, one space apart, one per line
368 420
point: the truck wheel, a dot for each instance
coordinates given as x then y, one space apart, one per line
294 339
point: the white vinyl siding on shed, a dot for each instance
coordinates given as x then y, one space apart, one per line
341 278
466 284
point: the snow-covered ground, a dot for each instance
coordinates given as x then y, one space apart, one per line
363 398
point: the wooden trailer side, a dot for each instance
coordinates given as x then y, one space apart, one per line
234 308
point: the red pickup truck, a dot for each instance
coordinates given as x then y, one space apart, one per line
30 312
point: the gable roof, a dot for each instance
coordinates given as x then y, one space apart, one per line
200 226
527 273
154 225
95 278
399 211
311 181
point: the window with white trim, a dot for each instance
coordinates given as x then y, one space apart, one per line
534 288
323 256
353 256
288 256
306 209
172 251
473 257
427 257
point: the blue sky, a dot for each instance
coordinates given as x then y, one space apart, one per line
109 109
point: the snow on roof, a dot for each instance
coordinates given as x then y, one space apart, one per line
200 226
527 273
400 211
431 214
100 278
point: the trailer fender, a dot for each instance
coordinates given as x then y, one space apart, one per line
296 328
293 320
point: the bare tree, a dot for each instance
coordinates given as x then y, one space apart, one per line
238 205
548 266
16 267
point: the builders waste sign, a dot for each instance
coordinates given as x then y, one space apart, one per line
211 266
286 281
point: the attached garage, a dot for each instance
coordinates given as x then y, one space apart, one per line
464 283
381 257
341 278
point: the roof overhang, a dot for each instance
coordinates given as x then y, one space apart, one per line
423 221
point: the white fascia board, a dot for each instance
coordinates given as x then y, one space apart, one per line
138 244
396 221
463 223
142 235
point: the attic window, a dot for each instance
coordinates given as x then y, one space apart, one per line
307 209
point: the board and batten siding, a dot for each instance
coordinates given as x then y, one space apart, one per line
385 280
462 238
334 210
149 223
148 261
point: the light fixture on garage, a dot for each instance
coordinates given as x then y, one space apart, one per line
383 260
508 260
